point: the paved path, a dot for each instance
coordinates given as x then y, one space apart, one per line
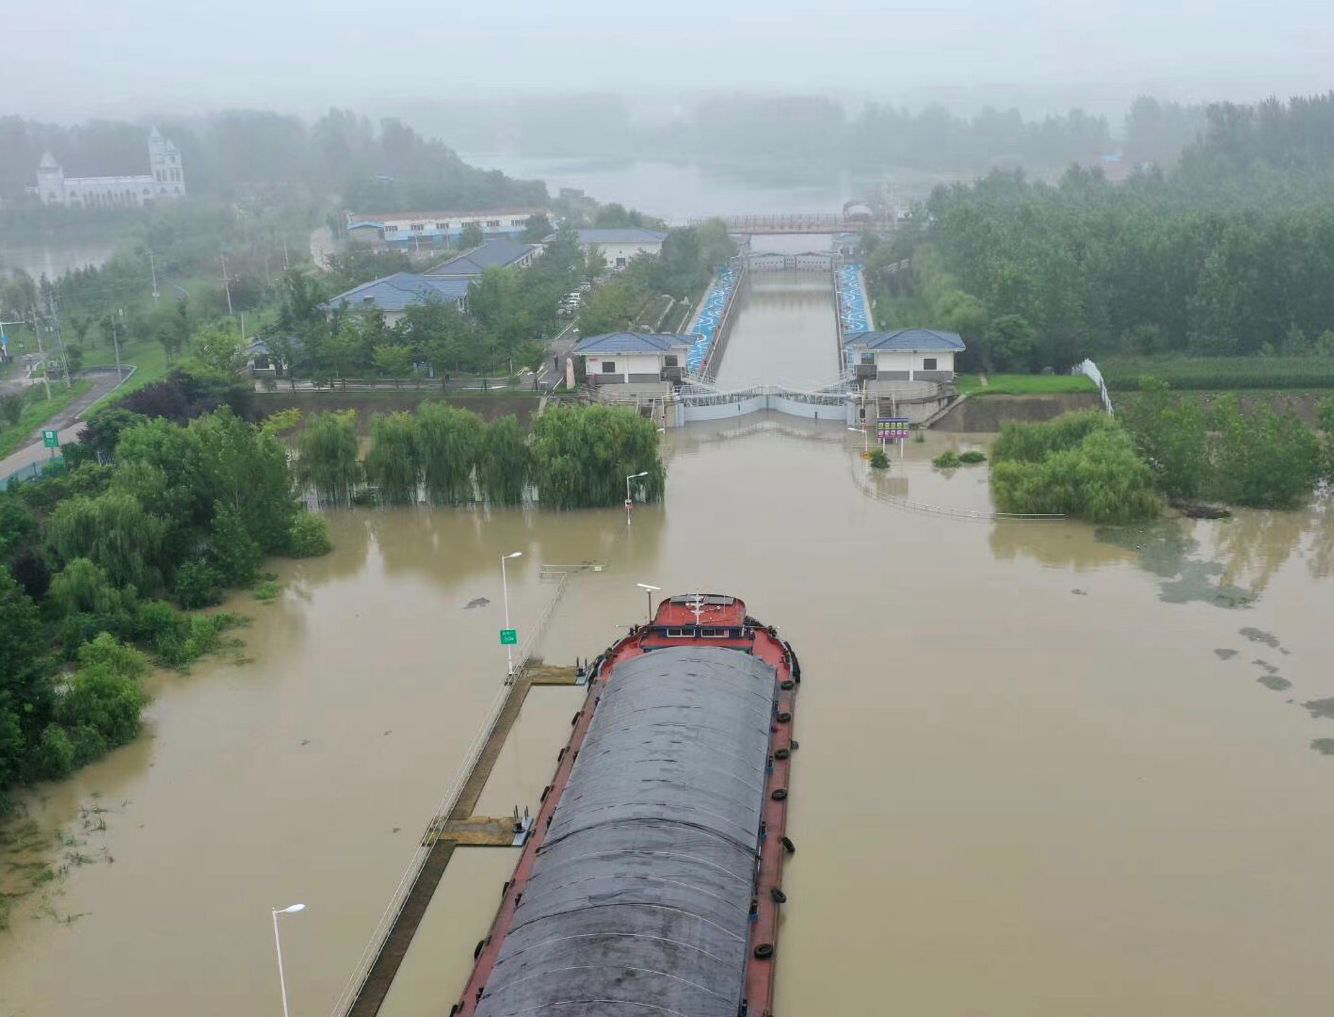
68 422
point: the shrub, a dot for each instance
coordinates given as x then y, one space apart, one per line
1265 459
1090 470
973 456
946 460
233 553
198 584
878 460
109 653
309 537
55 753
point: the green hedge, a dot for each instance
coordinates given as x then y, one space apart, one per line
1123 374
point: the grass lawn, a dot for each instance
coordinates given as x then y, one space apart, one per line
1220 373
1023 384
145 354
37 413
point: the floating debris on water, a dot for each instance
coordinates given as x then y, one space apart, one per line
476 602
1266 665
1275 682
1260 636
1320 707
1325 746
1223 654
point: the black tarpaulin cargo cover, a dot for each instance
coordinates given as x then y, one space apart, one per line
639 902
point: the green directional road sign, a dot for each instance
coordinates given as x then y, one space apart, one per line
51 439
509 637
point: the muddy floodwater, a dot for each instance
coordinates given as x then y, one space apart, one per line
1040 772
785 333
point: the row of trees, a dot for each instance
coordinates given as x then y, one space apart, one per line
1229 254
815 130
92 558
576 457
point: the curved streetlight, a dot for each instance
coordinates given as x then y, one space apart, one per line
866 437
650 590
633 476
291 909
505 593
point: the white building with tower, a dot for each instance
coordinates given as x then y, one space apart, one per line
164 181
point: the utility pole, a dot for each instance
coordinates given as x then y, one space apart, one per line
226 284
152 267
60 335
41 354
115 343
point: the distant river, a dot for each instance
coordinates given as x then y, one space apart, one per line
678 191
56 258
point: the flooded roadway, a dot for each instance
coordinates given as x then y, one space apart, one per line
1038 774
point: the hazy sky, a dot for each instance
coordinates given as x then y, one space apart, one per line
73 58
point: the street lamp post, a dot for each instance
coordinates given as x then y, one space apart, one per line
866 438
650 590
505 594
278 946
633 476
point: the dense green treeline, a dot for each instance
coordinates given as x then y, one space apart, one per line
782 132
1115 470
577 457
1256 457
92 558
1230 253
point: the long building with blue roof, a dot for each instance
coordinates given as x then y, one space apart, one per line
394 294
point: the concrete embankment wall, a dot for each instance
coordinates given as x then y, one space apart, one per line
986 414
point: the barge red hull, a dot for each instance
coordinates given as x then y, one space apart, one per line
713 621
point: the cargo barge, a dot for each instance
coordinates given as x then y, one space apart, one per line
652 880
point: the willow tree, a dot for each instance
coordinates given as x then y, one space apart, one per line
450 443
583 454
394 461
505 462
114 532
328 457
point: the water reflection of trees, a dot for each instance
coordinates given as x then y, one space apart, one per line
1247 550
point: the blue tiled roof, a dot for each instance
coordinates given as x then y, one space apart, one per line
401 290
496 253
632 342
907 340
631 235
